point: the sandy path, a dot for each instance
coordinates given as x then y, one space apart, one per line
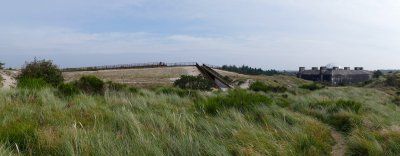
340 147
8 81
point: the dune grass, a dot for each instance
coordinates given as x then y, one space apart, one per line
149 123
179 122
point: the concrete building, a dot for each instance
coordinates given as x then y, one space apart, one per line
335 75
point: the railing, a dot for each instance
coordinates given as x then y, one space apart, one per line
181 64
213 66
131 66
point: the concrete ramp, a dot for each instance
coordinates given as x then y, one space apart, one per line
214 76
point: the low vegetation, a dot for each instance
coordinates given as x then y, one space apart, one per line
393 80
312 86
193 82
261 86
41 70
92 117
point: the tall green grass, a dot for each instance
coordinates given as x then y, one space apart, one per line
121 123
176 122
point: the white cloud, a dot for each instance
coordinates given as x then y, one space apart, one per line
280 34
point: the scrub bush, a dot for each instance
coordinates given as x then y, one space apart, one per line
91 85
312 86
42 69
68 89
193 82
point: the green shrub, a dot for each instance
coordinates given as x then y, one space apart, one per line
112 86
377 74
312 86
32 83
260 86
91 85
240 82
68 89
42 69
133 89
240 99
193 82
393 80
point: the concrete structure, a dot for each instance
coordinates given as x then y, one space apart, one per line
335 75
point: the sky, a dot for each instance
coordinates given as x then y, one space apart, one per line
271 34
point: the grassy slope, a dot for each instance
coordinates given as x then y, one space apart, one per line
298 122
121 124
41 123
148 77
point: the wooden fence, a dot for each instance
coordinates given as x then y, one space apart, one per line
131 66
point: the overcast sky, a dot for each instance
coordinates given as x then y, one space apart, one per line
279 34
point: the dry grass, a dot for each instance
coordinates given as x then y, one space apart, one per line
146 78
291 82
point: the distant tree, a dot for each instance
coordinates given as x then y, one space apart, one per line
378 74
249 70
42 69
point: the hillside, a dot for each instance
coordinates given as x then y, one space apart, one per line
157 123
146 77
172 121
165 76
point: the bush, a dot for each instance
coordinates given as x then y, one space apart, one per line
112 86
240 99
260 86
32 83
377 74
133 89
312 86
68 89
42 69
90 85
193 82
393 80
